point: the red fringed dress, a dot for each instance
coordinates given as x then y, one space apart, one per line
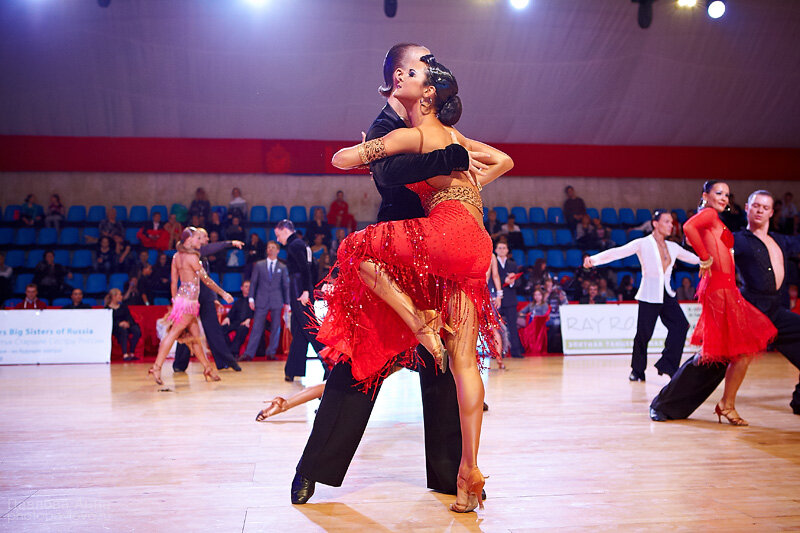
434 259
729 326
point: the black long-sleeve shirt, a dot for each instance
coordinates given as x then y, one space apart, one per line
212 248
755 268
299 264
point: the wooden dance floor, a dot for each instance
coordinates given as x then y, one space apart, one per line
567 442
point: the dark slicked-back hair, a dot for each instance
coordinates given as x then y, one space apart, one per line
285 223
760 192
390 62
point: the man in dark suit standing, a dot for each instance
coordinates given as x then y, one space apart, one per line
208 314
269 295
507 269
762 260
344 410
301 300
238 320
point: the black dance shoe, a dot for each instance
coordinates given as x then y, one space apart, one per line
302 489
290 379
235 366
636 376
657 416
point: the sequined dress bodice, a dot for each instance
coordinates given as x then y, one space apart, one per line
189 290
431 196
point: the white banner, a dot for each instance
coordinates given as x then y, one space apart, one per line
610 328
55 336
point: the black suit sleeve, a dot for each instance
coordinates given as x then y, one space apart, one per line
285 285
300 256
403 169
214 247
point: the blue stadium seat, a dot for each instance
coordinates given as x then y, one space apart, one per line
485 212
61 257
6 236
215 277
563 237
258 213
313 207
609 216
278 213
130 235
11 213
520 214
96 213
533 255
681 214
642 216
565 274
160 300
239 254
68 236
679 279
528 237
635 234
91 301
519 257
90 232
621 274
555 215
34 258
11 302
221 209
25 237
631 262
61 302
47 237
545 237
76 213
272 236
297 214
619 236
232 282
502 214
77 281
122 213
15 258
160 209
117 280
21 281
261 232
81 259
138 214
574 258
592 212
282 254
96 284
555 259
536 216
626 216
170 252
152 256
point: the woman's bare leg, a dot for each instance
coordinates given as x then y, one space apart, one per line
166 343
734 376
198 348
279 405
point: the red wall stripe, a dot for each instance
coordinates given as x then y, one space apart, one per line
280 156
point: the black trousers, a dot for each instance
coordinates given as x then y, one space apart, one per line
345 410
677 326
215 338
694 382
301 337
509 315
127 338
238 339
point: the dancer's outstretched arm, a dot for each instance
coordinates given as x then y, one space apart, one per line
399 141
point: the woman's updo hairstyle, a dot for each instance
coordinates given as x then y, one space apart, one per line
707 186
186 234
446 103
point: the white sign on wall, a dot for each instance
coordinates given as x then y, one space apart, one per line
55 336
610 328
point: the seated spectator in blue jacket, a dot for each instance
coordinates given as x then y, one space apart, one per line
31 213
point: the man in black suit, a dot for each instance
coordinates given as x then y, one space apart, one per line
507 269
344 410
301 300
238 320
77 301
762 261
208 314
270 294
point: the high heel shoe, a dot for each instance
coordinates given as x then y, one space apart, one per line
433 325
155 371
473 486
210 374
277 406
733 419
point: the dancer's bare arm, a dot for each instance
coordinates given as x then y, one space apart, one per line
496 161
174 276
205 278
399 141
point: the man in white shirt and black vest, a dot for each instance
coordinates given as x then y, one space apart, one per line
656 297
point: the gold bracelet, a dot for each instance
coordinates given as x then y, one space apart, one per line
370 151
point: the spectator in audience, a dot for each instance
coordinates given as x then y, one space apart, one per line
676 235
215 224
539 273
254 250
235 231
537 307
794 302
604 290
196 221
125 258
31 300
318 247
574 208
586 233
31 213
555 298
734 216
583 276
133 293
341 233
5 279
339 214
238 320
507 269
238 205
144 260
513 233
104 257
200 207
686 291
109 226
216 260
604 241
55 212
174 229
323 266
153 235
626 290
593 295
777 210
318 226
493 227
788 221
160 284
123 326
77 301
49 276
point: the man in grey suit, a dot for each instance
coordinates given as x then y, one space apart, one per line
269 293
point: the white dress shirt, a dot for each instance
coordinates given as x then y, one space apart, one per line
654 279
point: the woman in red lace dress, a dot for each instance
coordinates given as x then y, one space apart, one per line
399 282
730 329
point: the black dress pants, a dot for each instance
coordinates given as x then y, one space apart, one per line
127 338
301 337
345 410
238 338
215 338
509 315
677 326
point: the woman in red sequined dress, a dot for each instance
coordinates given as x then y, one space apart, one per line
730 329
399 283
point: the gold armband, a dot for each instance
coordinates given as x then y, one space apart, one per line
705 266
373 150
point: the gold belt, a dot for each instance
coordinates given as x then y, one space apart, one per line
462 194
